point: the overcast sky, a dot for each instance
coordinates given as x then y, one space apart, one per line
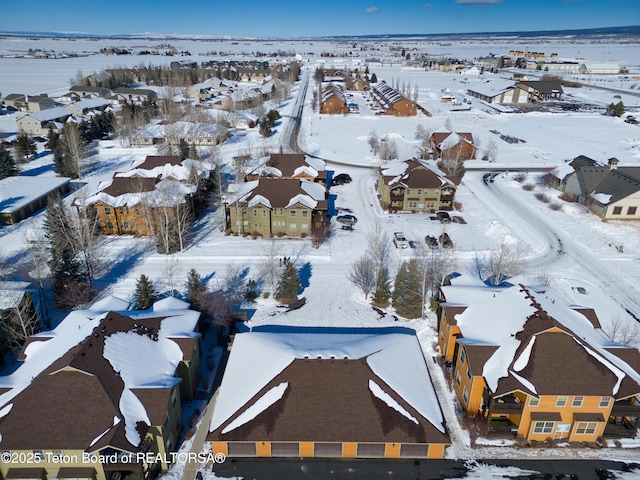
301 18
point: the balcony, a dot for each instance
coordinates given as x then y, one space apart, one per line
505 405
625 408
502 427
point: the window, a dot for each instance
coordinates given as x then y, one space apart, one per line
561 401
255 225
586 428
465 395
264 213
419 191
292 213
462 355
107 211
408 192
305 213
110 225
617 210
38 455
632 210
255 212
305 226
604 402
137 211
468 372
543 427
413 204
293 227
534 401
577 401
458 378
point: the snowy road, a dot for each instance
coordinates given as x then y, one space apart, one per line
551 246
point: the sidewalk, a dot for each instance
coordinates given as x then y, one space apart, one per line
191 468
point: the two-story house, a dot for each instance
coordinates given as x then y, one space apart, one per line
415 186
453 145
536 366
100 396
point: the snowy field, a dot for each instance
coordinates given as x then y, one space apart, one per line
504 213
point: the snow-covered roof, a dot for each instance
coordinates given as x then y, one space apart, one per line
395 358
182 129
493 88
16 192
497 316
49 114
141 360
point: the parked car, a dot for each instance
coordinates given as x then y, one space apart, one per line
399 240
443 217
347 219
341 179
432 242
445 240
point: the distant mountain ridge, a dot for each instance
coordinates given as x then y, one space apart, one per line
628 31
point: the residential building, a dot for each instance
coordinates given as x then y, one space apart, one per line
292 165
332 99
173 133
535 366
278 207
15 102
540 91
453 145
98 393
137 96
38 123
21 197
498 91
36 103
85 91
595 68
88 106
392 102
610 191
415 186
369 391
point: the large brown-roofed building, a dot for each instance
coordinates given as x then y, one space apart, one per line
329 393
536 367
114 394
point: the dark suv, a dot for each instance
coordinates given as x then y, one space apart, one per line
341 179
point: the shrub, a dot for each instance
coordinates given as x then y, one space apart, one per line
568 197
543 197
555 206
528 187
520 177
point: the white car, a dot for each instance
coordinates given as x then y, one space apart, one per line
399 240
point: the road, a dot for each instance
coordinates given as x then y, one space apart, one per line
373 469
553 246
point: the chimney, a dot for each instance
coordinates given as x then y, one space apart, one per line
613 163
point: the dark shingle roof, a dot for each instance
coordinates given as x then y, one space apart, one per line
330 401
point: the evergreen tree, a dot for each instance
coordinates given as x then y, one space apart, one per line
71 284
374 78
145 294
406 291
196 290
289 284
183 147
25 146
382 293
7 164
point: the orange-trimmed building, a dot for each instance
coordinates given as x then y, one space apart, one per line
535 366
335 392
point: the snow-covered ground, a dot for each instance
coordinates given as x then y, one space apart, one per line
503 212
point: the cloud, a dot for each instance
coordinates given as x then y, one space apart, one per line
478 3
372 10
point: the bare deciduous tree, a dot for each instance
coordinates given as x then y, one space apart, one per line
626 332
20 321
374 142
271 267
170 272
499 265
363 275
